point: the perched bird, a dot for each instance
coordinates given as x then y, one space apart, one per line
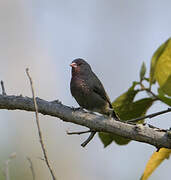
87 89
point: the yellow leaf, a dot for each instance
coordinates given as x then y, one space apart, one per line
155 160
163 69
154 60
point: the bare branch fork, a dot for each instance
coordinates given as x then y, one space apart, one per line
92 134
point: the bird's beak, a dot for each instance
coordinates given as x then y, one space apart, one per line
74 65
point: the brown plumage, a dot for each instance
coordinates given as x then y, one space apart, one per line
87 89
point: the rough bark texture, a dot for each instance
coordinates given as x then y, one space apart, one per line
98 123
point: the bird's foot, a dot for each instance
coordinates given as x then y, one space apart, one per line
114 116
77 109
56 101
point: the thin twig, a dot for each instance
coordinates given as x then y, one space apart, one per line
149 91
78 132
3 88
84 132
150 115
6 171
31 168
6 168
38 127
88 139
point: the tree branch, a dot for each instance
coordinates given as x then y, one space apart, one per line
88 139
79 132
150 115
92 121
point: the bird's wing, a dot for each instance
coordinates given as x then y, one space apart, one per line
99 89
101 92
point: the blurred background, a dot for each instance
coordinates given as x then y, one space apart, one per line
115 37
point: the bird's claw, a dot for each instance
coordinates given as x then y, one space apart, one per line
77 109
56 101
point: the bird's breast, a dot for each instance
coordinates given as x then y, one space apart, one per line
79 86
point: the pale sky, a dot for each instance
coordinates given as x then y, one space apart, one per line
115 37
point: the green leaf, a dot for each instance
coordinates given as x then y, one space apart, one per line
166 87
163 69
139 108
154 60
142 71
126 109
160 92
106 138
123 102
163 98
166 100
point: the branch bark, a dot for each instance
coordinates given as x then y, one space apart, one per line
98 123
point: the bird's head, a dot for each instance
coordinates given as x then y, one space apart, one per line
80 66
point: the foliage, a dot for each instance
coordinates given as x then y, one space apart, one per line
127 108
155 160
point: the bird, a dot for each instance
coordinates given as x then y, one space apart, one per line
88 90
